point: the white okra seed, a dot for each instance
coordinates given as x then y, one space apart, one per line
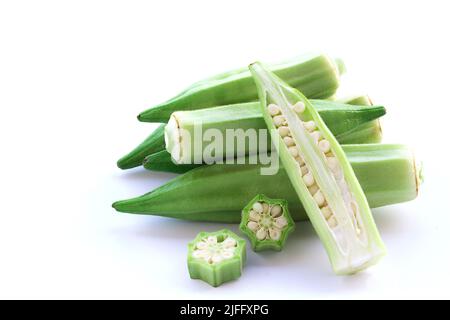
326 211
229 242
332 222
227 255
254 216
199 253
265 207
279 121
261 234
308 179
273 109
299 107
284 131
333 163
324 146
258 207
293 151
313 189
319 198
304 170
252 225
201 245
280 222
274 233
309 125
289 141
212 239
316 135
276 211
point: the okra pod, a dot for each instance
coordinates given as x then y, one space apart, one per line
246 123
340 117
316 75
321 175
217 193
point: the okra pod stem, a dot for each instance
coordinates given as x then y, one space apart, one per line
316 75
217 193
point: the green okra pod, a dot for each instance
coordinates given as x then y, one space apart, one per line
267 223
216 257
315 74
321 175
217 193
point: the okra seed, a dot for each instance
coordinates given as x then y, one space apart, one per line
293 151
324 146
216 258
289 141
229 242
227 255
308 179
265 208
201 245
326 211
199 254
279 121
261 234
280 222
332 163
254 216
309 125
300 161
284 131
299 107
273 109
257 206
319 198
304 170
332 222
316 135
252 225
276 211
274 233
212 239
313 189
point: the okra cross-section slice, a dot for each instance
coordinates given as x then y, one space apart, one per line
216 257
267 223
320 174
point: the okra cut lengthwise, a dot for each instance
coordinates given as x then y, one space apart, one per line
320 174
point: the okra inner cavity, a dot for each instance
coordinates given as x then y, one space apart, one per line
267 221
309 152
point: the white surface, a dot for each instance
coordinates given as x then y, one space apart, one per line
73 77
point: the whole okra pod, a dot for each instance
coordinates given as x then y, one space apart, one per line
217 193
321 175
341 118
316 75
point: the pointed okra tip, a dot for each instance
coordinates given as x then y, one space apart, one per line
216 257
267 223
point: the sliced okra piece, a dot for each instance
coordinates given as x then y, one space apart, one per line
216 257
320 174
267 223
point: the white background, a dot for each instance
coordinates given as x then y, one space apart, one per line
73 77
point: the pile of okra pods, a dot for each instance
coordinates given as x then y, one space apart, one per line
290 149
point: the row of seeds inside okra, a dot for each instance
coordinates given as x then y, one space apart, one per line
324 145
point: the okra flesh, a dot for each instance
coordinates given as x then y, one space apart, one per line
321 175
267 223
216 257
315 74
217 193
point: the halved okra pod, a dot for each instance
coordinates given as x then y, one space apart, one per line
216 257
316 75
217 193
350 124
267 223
320 174
241 126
